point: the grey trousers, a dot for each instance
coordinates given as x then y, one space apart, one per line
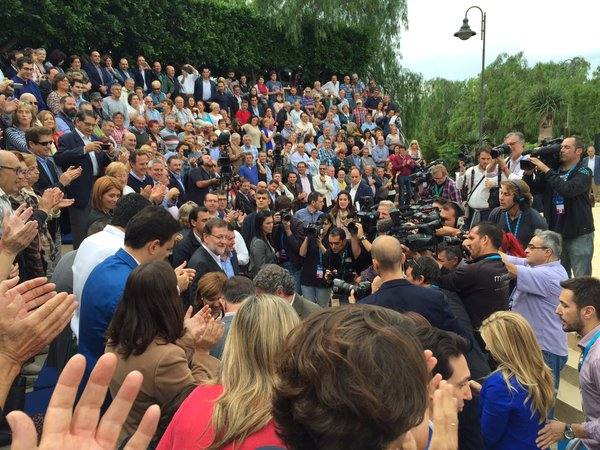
79 217
577 255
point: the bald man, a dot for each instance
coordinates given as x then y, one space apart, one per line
358 188
398 294
9 165
129 141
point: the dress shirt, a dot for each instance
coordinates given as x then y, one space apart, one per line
353 190
535 297
250 149
296 158
589 383
305 216
305 183
214 256
591 163
227 265
241 250
380 155
206 90
86 141
93 250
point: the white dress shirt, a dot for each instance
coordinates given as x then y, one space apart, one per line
93 157
93 250
241 250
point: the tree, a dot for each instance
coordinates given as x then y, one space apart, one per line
545 102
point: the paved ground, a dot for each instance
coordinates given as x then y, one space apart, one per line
596 261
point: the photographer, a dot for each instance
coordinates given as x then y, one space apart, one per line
344 259
312 275
312 212
478 180
567 206
287 236
441 186
452 216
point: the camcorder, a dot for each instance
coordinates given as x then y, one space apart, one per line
368 220
361 290
415 226
224 162
277 153
312 229
423 174
548 153
464 155
286 215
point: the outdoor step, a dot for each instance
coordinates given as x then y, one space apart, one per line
568 403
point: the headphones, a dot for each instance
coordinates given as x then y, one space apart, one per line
519 197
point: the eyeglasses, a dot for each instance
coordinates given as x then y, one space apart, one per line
219 238
45 144
18 171
534 247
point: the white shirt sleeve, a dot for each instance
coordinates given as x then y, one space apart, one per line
241 250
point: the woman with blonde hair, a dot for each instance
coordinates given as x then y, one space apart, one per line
234 410
105 194
516 399
120 171
22 120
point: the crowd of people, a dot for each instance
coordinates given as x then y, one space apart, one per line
276 266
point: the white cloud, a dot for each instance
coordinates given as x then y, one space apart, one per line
549 30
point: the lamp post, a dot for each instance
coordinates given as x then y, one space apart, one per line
465 33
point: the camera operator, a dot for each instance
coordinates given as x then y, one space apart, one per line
441 186
312 212
567 206
287 237
398 294
452 218
344 259
482 283
383 209
478 180
449 257
515 214
312 275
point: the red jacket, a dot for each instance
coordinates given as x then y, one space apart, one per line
402 165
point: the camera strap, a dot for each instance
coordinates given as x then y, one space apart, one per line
478 183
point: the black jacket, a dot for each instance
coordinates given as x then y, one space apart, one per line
482 284
185 248
402 296
577 219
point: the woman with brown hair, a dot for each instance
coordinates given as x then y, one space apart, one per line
60 89
210 290
46 118
22 120
105 194
150 333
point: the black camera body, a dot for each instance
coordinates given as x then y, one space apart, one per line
548 153
464 155
361 290
224 162
286 215
500 150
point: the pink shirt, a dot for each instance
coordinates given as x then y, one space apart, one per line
190 427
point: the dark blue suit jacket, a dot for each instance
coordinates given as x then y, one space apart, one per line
70 153
596 167
95 77
402 296
199 90
139 80
364 190
44 182
174 183
99 300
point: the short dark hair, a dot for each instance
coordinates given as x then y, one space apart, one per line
23 60
452 251
339 232
134 154
492 231
586 292
82 115
150 224
261 192
444 345
149 308
453 206
34 134
361 345
314 196
213 223
194 213
283 202
238 288
426 267
127 207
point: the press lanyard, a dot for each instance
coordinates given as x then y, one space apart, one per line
587 349
438 190
516 226
493 257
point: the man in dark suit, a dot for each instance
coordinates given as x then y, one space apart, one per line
81 149
208 256
98 75
398 294
235 100
223 98
192 238
592 162
255 108
143 75
205 89
358 188
243 200
176 178
304 184
275 280
122 72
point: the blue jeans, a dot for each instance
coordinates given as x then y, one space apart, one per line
556 364
577 255
405 190
296 274
318 295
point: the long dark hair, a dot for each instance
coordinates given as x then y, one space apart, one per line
336 207
259 219
150 308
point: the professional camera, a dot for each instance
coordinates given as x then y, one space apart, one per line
368 220
313 229
415 225
500 150
277 152
452 240
361 290
286 215
548 153
224 162
423 174
464 155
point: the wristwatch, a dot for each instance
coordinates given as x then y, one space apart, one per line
362 238
569 433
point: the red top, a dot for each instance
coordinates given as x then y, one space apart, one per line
243 116
187 429
402 165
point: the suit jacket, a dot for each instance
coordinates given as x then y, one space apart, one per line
44 182
168 368
244 203
139 81
260 107
70 153
121 75
203 263
584 163
174 183
95 79
364 190
185 248
199 90
304 307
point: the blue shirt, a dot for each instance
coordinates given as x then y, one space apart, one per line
99 299
506 419
305 216
32 88
44 163
250 173
380 155
228 267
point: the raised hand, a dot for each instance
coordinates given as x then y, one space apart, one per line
18 231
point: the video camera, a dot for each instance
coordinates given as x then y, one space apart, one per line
224 162
313 229
277 152
423 174
464 155
415 226
361 290
500 150
548 153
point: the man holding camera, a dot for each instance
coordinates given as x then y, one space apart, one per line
312 213
477 180
287 237
567 206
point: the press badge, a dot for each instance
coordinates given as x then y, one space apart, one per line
319 271
559 204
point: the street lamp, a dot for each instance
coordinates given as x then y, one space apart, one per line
465 33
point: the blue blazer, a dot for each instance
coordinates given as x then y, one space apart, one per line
199 88
364 190
99 299
506 420
596 167
70 153
95 77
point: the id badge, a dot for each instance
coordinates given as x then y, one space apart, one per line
319 271
559 204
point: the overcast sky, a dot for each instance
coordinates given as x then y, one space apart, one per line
550 30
